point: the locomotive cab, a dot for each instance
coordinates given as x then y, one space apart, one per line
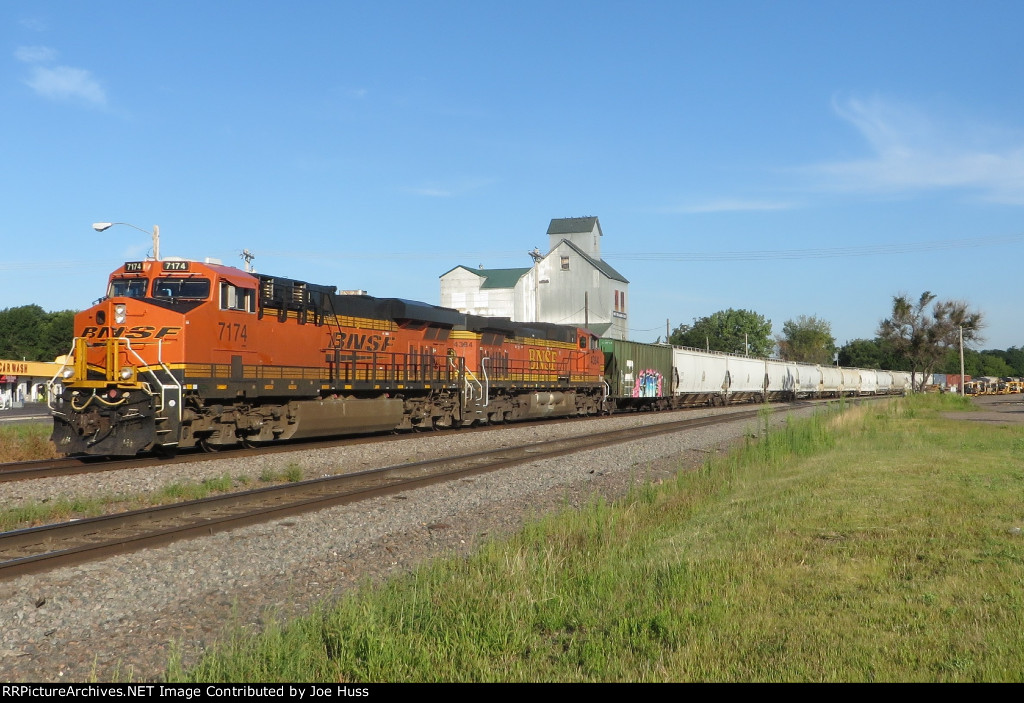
123 381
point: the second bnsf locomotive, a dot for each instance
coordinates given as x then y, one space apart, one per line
184 353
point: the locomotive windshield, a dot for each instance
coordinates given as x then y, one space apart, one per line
181 288
128 288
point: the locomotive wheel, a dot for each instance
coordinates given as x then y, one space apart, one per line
167 452
208 446
446 422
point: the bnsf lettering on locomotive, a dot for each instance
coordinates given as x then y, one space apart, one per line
140 332
361 342
543 359
137 332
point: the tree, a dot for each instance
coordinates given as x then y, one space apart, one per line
27 332
975 364
871 354
922 332
56 334
807 339
861 353
1014 358
736 331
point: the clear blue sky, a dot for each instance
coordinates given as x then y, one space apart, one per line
790 158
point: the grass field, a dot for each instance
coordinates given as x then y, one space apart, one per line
26 442
16 516
873 543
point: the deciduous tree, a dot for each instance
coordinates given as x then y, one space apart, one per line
921 332
807 339
736 331
28 332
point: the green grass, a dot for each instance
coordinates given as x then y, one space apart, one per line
291 473
61 509
872 543
26 442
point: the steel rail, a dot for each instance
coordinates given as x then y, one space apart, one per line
50 546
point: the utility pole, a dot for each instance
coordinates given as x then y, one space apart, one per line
961 360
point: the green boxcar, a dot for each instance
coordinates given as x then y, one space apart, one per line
635 370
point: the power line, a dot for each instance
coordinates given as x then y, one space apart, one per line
751 255
822 253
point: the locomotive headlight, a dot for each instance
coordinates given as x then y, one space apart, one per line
68 372
126 373
120 313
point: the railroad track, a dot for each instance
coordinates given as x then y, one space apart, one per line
51 546
70 466
48 468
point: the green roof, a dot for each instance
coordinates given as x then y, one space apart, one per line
501 278
573 225
599 328
494 278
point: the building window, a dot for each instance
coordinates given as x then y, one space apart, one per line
565 263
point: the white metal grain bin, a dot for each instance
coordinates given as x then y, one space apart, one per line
782 379
884 382
746 377
831 381
851 381
809 380
868 381
701 376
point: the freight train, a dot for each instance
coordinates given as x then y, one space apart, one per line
181 354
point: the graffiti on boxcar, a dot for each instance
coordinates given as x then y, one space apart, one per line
648 384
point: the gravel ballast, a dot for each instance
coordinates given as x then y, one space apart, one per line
118 619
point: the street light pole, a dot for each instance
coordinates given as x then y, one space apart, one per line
101 226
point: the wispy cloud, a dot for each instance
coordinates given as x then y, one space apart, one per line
34 24
56 82
432 191
35 54
913 151
438 190
732 205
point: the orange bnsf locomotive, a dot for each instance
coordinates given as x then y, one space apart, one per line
182 353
